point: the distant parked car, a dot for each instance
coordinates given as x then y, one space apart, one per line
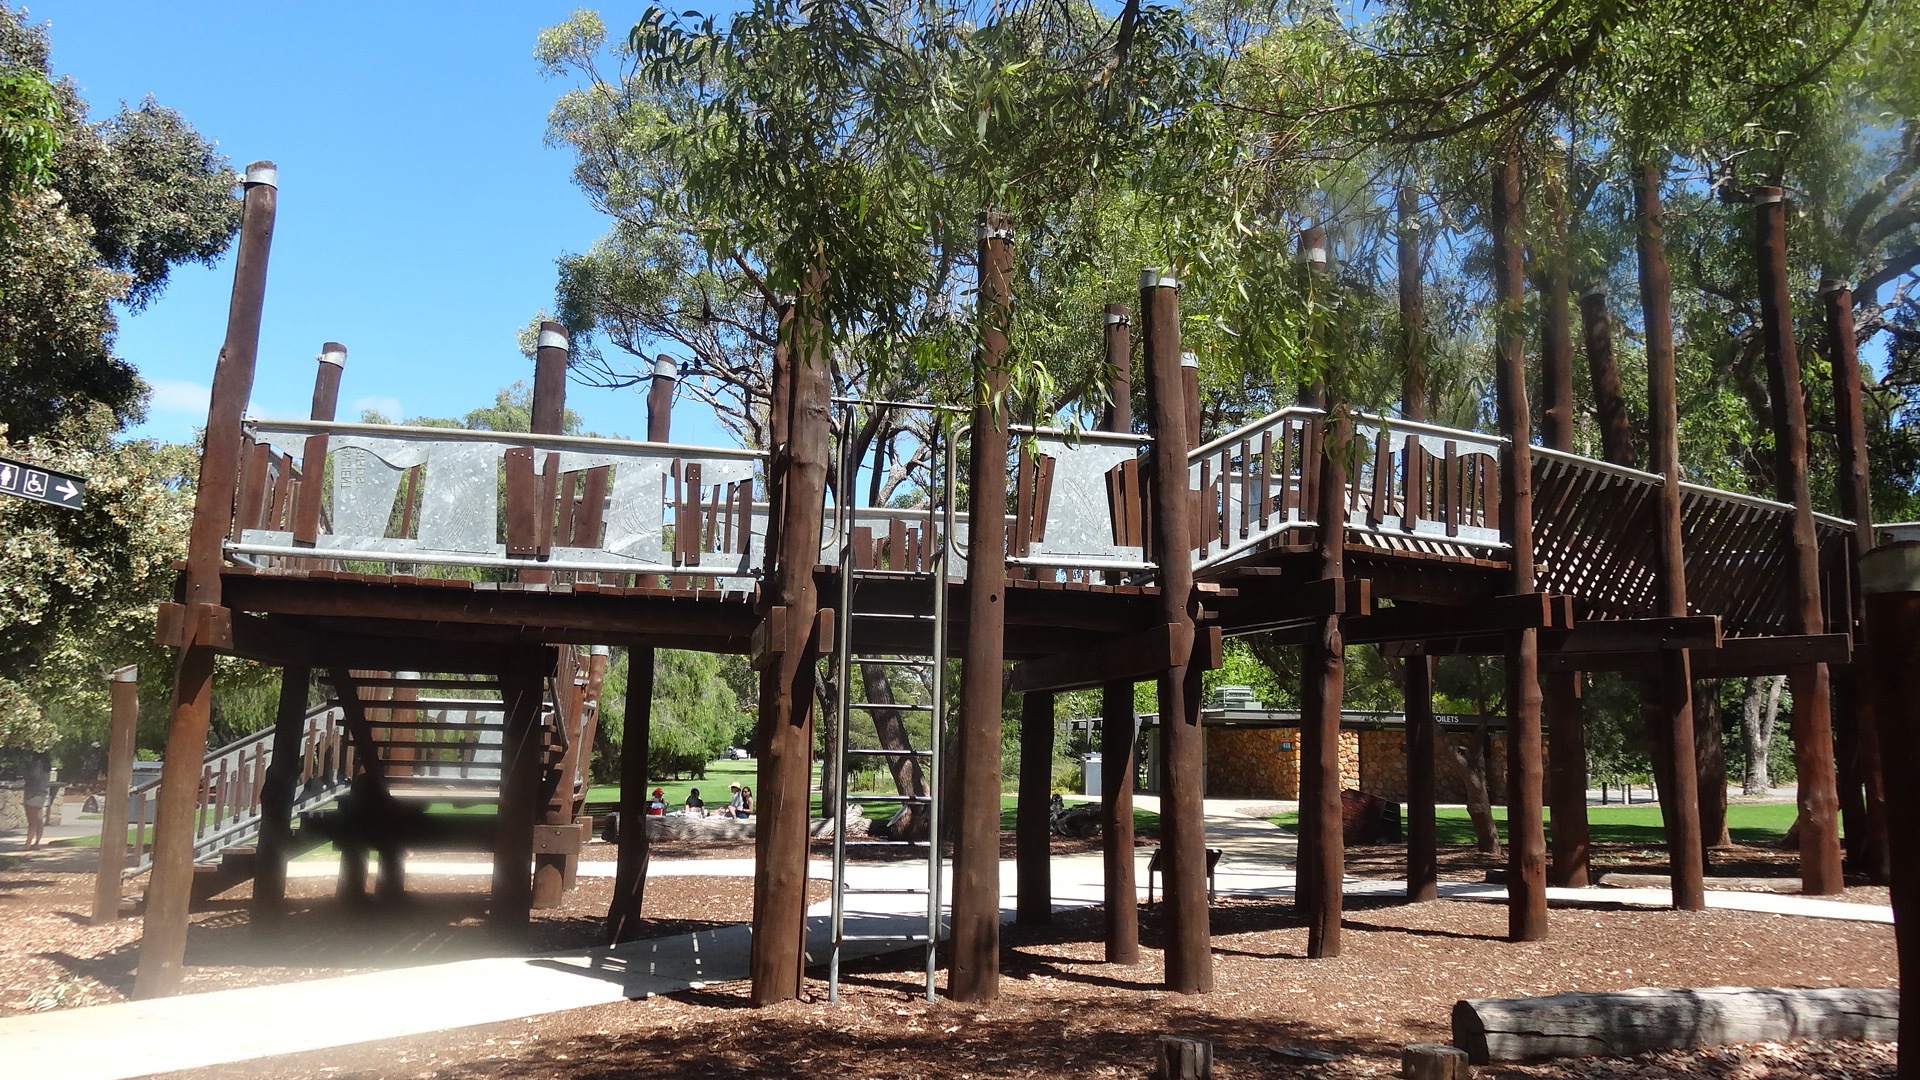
738 753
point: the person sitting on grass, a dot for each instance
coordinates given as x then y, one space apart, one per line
736 806
696 806
746 802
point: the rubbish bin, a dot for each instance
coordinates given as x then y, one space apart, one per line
1090 771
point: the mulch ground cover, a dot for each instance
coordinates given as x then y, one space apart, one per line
1063 1011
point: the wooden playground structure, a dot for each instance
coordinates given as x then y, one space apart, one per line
456 593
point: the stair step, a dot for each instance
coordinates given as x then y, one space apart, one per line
438 725
481 683
452 704
423 744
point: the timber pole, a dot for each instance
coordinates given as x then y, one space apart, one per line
1118 733
1527 848
1313 257
1033 825
1423 847
1890 587
777 962
1187 938
1673 686
1414 390
124 727
1820 863
1323 663
163 942
976 853
1568 865
1856 504
277 794
630 871
523 752
660 399
549 414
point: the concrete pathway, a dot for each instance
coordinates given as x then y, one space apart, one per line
112 1042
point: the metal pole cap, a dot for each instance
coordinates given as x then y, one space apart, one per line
1188 359
333 353
553 336
263 172
665 367
1156 277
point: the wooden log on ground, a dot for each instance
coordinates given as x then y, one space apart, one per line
1175 1058
1434 1061
1649 1018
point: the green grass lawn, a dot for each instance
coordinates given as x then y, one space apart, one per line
1759 824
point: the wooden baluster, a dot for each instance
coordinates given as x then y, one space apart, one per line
1451 489
1382 494
1413 499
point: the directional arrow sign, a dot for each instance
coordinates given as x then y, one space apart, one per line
26 481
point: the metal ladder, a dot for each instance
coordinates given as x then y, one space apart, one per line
938 537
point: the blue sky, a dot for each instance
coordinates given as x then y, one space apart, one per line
420 210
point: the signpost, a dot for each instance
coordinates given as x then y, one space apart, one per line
41 485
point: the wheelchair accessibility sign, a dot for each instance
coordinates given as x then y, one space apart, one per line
19 479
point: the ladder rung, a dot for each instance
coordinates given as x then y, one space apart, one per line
844 891
853 841
889 798
888 753
892 616
885 937
887 705
890 575
422 744
879 661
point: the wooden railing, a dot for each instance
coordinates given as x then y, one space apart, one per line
227 812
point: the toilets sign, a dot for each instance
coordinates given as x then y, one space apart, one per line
41 485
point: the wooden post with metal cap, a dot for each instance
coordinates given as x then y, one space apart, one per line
1187 938
1527 852
976 855
555 812
1118 732
163 943
1820 864
630 870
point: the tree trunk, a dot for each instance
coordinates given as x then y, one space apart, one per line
1757 713
1472 773
1710 754
823 694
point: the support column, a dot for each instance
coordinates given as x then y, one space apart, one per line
1118 733
1323 673
1890 584
1527 847
114 811
1870 839
630 873
1566 724
523 754
660 399
163 942
976 855
549 414
1820 870
1673 685
1187 938
1423 843
277 795
785 734
1033 825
